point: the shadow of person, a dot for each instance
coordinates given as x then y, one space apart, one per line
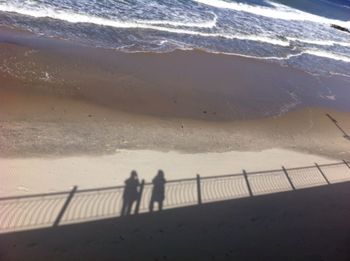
158 192
130 194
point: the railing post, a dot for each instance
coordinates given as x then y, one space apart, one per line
199 189
137 208
347 164
324 176
247 181
65 206
289 179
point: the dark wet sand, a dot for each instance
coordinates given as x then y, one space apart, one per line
190 84
309 224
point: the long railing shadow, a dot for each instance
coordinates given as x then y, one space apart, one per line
54 209
345 134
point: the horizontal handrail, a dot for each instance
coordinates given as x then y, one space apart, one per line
263 172
222 176
99 189
35 195
313 166
179 180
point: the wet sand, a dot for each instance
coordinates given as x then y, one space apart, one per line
180 84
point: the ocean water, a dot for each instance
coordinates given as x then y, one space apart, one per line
297 33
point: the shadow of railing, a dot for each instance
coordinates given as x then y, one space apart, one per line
30 211
53 209
178 193
335 122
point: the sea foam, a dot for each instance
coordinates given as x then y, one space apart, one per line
277 11
151 25
208 26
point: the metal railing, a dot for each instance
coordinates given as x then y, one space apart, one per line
53 209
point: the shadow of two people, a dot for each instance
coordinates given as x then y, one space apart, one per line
133 192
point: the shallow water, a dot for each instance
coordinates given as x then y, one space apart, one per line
296 33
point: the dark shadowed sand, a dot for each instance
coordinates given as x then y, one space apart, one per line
310 224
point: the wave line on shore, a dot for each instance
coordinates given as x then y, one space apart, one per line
279 11
81 18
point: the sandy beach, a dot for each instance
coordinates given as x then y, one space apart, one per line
77 119
85 111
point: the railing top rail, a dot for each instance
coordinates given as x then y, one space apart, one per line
99 189
273 170
305 167
35 195
222 176
331 164
263 171
173 181
313 166
178 180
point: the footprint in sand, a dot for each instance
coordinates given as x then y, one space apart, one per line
22 188
33 244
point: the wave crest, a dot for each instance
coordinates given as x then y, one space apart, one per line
151 25
278 11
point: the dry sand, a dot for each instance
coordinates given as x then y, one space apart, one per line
37 125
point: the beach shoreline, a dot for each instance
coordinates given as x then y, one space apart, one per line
182 84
